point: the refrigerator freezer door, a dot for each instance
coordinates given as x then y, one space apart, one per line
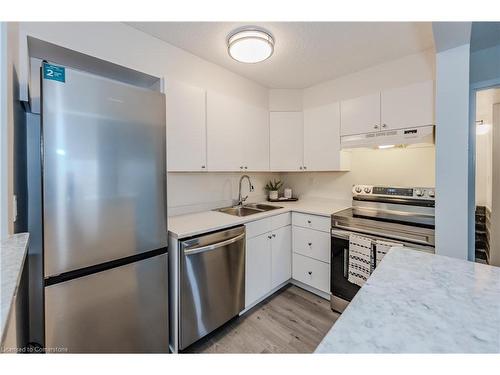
120 310
103 171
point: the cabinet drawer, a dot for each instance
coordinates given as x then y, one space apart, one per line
312 243
311 272
255 228
281 220
312 222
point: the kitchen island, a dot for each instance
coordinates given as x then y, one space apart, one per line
416 302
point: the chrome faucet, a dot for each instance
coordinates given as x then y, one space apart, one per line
250 187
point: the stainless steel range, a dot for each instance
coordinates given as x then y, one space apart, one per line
379 215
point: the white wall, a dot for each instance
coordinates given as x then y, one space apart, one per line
9 67
126 46
484 152
400 167
452 157
495 208
407 70
393 167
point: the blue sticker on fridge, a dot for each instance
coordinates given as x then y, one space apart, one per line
54 72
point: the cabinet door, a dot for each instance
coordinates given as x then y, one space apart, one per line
408 106
281 262
186 128
322 138
258 268
255 138
360 115
224 133
286 141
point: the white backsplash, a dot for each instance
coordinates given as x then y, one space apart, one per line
195 192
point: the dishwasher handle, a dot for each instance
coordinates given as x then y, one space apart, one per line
214 246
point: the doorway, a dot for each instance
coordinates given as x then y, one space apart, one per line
487 177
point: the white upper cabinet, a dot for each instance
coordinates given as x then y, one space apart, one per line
360 115
322 139
255 141
237 135
224 133
186 128
409 106
286 141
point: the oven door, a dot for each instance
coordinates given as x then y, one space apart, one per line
341 289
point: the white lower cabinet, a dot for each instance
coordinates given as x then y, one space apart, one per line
268 262
281 256
258 268
312 243
311 272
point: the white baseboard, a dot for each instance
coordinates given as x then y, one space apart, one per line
311 289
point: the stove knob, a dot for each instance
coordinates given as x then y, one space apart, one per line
358 189
431 193
368 190
419 193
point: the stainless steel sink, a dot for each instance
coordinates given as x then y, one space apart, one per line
263 207
248 209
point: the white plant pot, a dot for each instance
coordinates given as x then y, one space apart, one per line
273 195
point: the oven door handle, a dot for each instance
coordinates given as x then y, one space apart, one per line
346 263
375 233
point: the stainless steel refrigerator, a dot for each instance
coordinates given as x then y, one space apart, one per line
104 214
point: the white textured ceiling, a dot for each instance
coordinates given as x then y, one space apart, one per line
306 53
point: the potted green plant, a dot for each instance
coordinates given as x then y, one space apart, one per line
272 188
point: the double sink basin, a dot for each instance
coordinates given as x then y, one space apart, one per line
247 209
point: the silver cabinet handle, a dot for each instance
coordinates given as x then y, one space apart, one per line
384 126
214 246
202 167
274 235
241 167
300 167
309 272
308 221
246 167
305 167
310 243
269 237
376 127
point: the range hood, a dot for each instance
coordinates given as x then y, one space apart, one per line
423 135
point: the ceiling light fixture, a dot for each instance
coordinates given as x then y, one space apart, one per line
250 44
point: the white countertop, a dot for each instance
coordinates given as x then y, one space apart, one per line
192 224
416 302
13 253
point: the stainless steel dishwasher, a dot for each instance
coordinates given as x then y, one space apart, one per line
212 282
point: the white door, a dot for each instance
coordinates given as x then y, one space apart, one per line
281 262
186 128
224 133
360 115
255 138
409 106
286 141
258 268
322 138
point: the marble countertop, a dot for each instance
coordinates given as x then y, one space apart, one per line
192 224
416 302
12 255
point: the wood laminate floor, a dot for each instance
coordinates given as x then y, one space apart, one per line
290 321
